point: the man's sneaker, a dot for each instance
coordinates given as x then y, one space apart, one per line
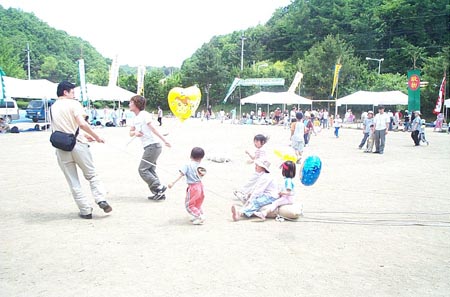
105 206
160 192
87 216
160 197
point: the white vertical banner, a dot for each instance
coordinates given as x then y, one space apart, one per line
140 80
113 72
297 79
83 91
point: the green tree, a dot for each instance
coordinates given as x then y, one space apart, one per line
9 60
318 69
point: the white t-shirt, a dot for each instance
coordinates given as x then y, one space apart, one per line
337 123
140 123
64 113
381 120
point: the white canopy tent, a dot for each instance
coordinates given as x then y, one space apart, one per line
276 98
447 103
374 98
31 89
447 106
270 98
109 93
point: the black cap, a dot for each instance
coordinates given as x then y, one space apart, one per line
381 107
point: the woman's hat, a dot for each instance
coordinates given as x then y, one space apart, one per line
264 164
418 111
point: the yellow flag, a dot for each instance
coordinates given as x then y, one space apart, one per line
337 68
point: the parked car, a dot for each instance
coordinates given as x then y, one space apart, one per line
38 110
9 110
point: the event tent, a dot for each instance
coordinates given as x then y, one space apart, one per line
276 98
374 98
32 89
447 103
108 93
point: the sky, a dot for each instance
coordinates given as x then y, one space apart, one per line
150 33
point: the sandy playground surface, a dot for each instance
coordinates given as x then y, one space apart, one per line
373 225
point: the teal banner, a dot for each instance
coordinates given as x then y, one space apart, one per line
253 82
414 90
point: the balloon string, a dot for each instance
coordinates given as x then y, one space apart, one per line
159 167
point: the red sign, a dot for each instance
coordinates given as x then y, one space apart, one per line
414 82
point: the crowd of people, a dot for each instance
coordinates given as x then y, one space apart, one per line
260 195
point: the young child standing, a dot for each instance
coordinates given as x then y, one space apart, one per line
259 141
370 139
297 136
194 192
265 192
337 123
286 195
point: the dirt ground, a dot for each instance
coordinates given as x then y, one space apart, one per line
373 225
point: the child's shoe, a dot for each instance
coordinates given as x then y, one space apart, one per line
198 221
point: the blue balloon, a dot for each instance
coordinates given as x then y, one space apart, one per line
311 170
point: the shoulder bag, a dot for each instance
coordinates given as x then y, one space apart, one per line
62 140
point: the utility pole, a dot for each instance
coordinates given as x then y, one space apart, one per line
28 57
207 95
242 51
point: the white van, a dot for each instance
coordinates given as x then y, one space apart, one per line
9 110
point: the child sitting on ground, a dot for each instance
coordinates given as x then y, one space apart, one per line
265 192
194 192
286 195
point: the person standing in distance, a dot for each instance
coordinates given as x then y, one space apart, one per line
160 115
368 121
67 115
381 122
143 129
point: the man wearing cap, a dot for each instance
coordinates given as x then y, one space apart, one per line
67 115
366 128
381 122
415 127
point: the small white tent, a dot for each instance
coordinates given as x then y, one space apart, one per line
32 89
276 98
374 98
110 93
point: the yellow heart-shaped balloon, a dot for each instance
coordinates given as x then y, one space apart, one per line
184 102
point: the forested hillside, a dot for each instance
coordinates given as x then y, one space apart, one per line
312 36
53 53
307 36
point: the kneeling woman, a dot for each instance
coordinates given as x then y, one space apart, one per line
265 192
